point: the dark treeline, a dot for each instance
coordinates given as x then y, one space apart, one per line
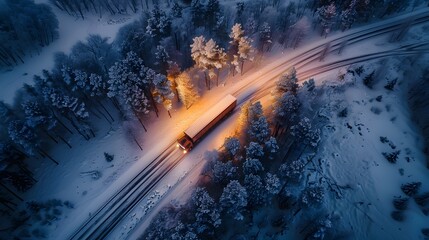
82 7
25 27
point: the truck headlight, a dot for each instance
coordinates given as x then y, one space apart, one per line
184 151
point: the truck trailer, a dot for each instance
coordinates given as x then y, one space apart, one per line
206 122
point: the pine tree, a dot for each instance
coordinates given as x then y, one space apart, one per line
271 147
162 59
292 171
207 56
243 119
240 48
257 127
234 199
348 16
24 136
287 82
232 146
285 110
272 184
255 190
326 17
265 40
197 12
158 24
251 25
259 130
172 73
223 172
215 58
305 134
212 13
161 91
187 92
252 166
176 10
130 80
254 150
38 117
207 216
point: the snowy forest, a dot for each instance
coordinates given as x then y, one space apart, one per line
174 54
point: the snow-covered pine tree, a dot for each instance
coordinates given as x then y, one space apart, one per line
70 108
305 134
223 172
182 231
172 73
198 54
24 136
130 80
239 12
348 16
197 12
285 111
271 147
232 146
176 10
212 13
161 91
251 25
254 150
287 82
187 92
98 85
234 199
292 171
215 58
207 215
243 119
257 125
255 191
252 166
158 24
240 48
265 40
162 59
272 184
259 130
326 16
38 117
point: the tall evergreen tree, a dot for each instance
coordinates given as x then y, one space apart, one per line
234 199
187 92
158 24
326 17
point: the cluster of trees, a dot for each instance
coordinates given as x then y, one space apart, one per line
25 28
343 14
249 175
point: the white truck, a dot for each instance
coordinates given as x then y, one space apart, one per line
206 122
